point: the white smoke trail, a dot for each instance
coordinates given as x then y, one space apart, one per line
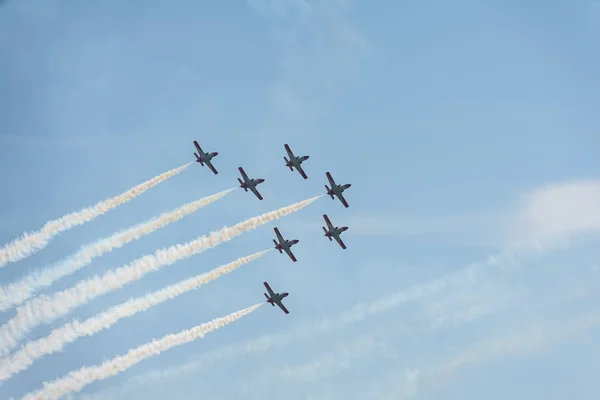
76 380
30 243
507 259
45 309
18 292
69 333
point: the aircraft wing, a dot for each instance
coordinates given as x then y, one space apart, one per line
198 148
256 193
331 181
328 222
342 199
279 237
280 304
271 292
340 242
299 168
289 253
243 173
289 151
212 168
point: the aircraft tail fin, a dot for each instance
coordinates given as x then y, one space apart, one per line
268 298
277 246
329 192
288 164
198 159
242 185
327 233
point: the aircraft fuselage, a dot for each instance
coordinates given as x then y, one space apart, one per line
276 298
296 161
252 182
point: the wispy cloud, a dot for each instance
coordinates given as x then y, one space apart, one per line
559 210
449 312
493 300
407 354
534 338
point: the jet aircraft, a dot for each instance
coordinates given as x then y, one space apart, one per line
250 183
284 245
275 298
294 162
334 231
337 190
204 158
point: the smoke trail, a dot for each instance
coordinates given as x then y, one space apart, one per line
77 380
508 259
69 333
46 309
18 292
29 243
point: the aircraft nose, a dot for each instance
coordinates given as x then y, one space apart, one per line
286 294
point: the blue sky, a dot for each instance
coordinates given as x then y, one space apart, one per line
464 127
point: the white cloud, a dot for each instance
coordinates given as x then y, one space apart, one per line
559 210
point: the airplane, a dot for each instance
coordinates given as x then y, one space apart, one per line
250 183
284 244
204 158
337 190
294 162
275 298
334 231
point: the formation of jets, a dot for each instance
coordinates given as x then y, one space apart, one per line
281 244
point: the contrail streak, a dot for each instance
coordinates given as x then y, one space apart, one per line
69 333
77 380
29 243
45 309
18 292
